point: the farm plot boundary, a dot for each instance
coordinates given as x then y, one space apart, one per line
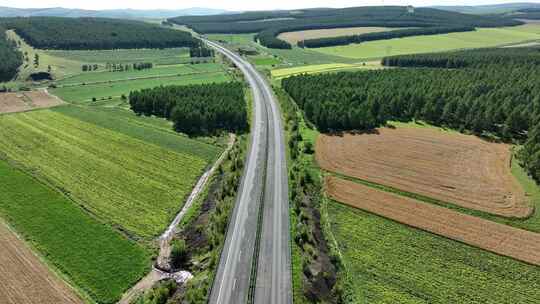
25 279
501 239
462 170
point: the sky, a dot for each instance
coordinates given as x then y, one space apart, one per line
234 4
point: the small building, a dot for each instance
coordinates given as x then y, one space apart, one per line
410 9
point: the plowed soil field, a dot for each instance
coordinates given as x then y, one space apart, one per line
501 239
450 167
20 102
24 279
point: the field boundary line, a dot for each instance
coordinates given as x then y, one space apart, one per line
130 79
333 243
501 233
430 200
64 277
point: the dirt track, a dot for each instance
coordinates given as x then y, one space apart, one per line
24 101
450 167
24 279
501 239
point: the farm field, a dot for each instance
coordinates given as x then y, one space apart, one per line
127 182
498 238
25 101
164 71
293 57
484 37
450 167
264 60
84 94
157 56
152 130
25 279
234 39
294 37
322 68
399 264
98 260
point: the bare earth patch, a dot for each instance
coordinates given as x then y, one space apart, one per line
451 167
498 238
25 279
294 37
25 101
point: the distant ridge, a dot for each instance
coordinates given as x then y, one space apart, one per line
116 13
489 9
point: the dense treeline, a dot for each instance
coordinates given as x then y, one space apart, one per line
95 33
271 24
472 58
345 40
195 109
499 99
201 52
10 57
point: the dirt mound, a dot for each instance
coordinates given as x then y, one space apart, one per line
498 238
25 279
450 167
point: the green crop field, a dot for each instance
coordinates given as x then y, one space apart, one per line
173 55
485 37
264 60
172 70
153 130
392 263
235 39
97 259
296 56
85 93
127 182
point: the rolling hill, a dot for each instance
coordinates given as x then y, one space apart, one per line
116 13
489 9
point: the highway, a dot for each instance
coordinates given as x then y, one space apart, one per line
263 188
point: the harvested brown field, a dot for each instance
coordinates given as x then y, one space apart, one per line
24 101
25 279
12 102
294 37
498 238
450 167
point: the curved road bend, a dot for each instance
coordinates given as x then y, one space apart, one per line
266 151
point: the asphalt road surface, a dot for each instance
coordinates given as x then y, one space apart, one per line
264 182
